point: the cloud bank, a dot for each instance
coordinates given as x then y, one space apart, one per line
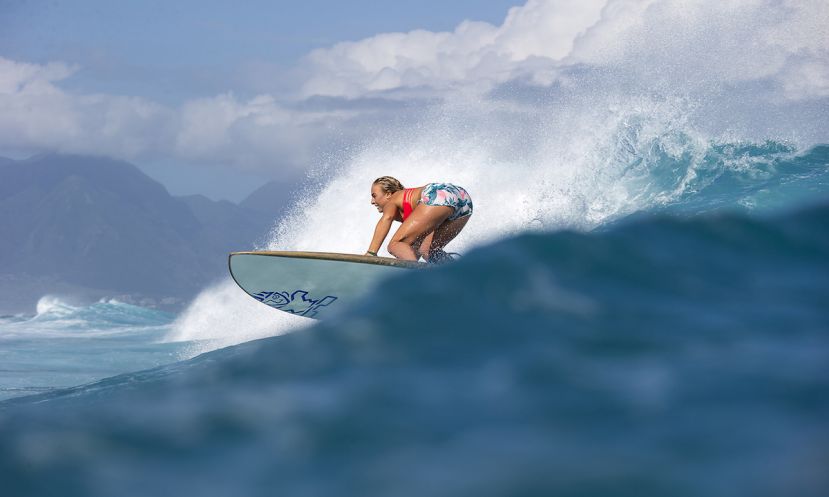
783 42
761 52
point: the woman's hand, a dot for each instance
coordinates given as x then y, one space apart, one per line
373 254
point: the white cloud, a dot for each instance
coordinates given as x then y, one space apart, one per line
250 133
546 28
714 41
36 114
474 53
16 77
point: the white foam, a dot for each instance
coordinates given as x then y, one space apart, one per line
55 306
224 315
525 169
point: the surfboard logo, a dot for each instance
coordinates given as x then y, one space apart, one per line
296 302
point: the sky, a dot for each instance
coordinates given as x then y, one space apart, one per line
170 53
218 97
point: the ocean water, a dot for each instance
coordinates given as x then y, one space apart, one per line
64 345
682 349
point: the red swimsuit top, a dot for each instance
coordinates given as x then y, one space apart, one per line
407 202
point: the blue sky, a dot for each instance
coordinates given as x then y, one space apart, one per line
171 51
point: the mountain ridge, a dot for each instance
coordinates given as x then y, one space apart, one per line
104 227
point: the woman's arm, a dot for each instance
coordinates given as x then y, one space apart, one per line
382 229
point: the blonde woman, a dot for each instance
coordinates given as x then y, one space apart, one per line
432 216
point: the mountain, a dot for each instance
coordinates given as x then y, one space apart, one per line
100 227
272 198
229 227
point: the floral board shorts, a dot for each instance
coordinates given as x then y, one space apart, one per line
449 195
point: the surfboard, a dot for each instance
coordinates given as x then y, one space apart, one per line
311 284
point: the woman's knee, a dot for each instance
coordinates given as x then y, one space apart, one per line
395 246
408 238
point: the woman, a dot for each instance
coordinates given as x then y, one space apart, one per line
432 215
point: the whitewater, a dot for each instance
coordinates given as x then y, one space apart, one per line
641 307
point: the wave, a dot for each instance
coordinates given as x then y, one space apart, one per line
663 353
754 178
645 170
56 315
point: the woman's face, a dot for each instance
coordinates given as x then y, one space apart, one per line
379 198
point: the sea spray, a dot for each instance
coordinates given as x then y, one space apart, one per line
224 315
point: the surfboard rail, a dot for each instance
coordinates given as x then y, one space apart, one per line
335 256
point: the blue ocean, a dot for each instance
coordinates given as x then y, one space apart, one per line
678 348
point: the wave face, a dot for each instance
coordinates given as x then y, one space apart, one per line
748 177
667 355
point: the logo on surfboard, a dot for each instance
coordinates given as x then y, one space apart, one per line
297 302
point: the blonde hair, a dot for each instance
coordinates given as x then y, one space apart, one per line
388 184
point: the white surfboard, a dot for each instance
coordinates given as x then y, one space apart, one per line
311 284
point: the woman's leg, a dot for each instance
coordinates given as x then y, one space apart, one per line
419 225
442 235
422 247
